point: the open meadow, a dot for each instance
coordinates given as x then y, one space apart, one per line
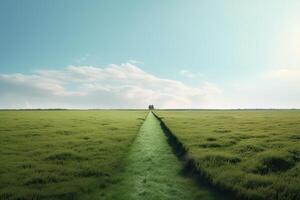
114 154
63 154
254 154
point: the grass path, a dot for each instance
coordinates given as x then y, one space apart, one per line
153 172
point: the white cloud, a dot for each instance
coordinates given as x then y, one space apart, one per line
276 88
116 86
285 74
135 62
189 74
128 86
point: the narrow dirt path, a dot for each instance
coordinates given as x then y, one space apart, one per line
153 172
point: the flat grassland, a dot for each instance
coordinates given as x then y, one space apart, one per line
254 154
62 154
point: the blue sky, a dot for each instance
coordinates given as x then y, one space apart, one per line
246 52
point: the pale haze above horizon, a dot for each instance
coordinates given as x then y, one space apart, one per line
129 54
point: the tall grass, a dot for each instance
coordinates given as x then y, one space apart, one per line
62 154
254 154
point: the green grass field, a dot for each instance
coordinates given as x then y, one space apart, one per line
63 154
111 155
254 154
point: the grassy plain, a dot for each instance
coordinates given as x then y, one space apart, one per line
254 154
62 154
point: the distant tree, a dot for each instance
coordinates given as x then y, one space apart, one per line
151 107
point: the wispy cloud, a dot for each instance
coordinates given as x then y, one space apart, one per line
135 62
189 74
274 88
116 86
285 74
83 58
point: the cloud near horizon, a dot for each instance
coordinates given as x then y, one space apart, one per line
128 86
285 74
273 88
116 86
